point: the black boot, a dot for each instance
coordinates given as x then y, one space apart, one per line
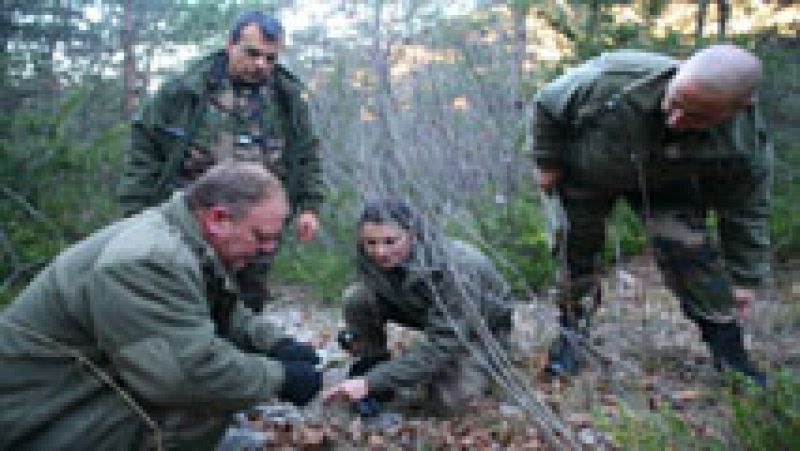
727 349
565 357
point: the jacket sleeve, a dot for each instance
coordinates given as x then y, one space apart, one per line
153 321
145 162
253 332
307 175
438 347
743 207
364 320
550 120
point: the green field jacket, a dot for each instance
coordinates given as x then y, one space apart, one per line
601 124
184 116
147 301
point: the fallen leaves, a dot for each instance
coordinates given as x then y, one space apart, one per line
659 363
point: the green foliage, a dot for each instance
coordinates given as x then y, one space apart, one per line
654 430
325 269
768 419
781 66
326 264
514 235
760 419
55 184
626 233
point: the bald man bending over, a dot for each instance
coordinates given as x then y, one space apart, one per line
676 140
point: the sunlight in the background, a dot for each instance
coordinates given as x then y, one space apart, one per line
93 13
338 20
339 23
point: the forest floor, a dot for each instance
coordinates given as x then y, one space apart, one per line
652 359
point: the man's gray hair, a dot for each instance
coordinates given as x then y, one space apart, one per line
233 184
731 71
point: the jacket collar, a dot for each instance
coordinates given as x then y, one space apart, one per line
647 93
177 213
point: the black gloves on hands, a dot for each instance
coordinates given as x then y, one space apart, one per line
290 350
301 382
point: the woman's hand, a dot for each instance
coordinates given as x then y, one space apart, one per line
350 389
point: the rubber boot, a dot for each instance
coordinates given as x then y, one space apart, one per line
565 357
727 349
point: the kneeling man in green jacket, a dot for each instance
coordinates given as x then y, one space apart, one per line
136 338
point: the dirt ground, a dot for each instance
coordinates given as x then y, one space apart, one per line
647 356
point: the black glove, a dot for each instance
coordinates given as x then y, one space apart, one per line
290 350
364 364
367 407
301 383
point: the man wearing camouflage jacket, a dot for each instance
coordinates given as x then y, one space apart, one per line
235 103
677 140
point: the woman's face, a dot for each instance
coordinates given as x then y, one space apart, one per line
386 244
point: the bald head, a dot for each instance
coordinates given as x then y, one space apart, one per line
711 87
724 69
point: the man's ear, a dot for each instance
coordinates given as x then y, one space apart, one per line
215 220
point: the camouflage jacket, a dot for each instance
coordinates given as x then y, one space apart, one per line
200 117
602 125
448 294
148 302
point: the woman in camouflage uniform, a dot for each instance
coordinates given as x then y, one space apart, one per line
444 288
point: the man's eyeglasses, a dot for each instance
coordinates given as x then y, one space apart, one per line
253 52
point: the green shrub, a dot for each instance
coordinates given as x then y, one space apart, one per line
513 234
325 269
523 247
326 265
761 419
625 234
56 183
768 419
654 430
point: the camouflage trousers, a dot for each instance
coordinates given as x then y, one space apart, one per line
450 391
452 388
675 220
